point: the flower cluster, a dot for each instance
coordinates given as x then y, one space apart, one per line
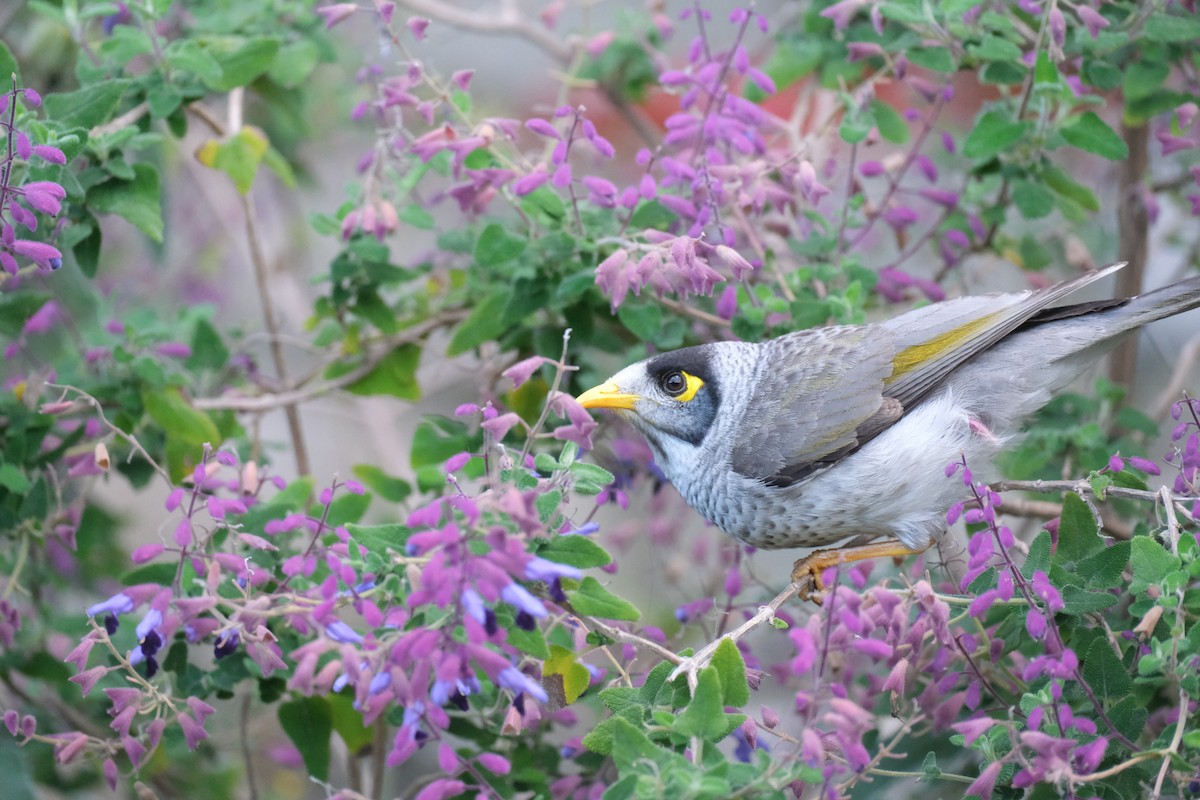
21 200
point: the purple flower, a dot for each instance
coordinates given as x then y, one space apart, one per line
842 12
1091 19
519 597
521 371
43 319
540 569
45 196
117 604
518 682
341 632
336 13
986 782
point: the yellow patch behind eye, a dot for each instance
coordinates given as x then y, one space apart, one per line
693 386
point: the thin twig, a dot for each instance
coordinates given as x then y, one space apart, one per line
128 437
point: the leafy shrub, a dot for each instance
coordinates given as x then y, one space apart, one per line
454 631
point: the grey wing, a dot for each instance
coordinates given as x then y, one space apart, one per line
818 393
824 393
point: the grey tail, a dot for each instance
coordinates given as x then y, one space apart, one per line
1165 302
1135 311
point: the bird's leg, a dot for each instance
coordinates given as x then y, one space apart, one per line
809 568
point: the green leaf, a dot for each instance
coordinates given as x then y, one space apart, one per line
1033 200
856 126
208 349
652 214
497 246
575 676
704 716
179 420
1105 570
1078 533
392 489
594 600
1038 559
8 64
532 642
348 722
242 60
1101 74
237 156
395 374
655 680
930 768
547 504
1078 601
589 478
993 134
573 550
642 317
1151 563
1163 27
1143 79
188 56
731 671
86 107
139 200
308 722
417 216
13 479
937 59
87 250
347 508
890 123
484 323
630 745
1045 72
380 538
1060 181
1105 673
995 48
1089 132
294 63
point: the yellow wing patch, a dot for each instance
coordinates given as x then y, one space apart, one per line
917 355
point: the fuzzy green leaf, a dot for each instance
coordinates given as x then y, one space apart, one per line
395 374
1104 672
1151 563
308 722
994 133
1089 132
138 200
592 599
731 670
574 550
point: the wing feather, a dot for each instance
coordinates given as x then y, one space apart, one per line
824 393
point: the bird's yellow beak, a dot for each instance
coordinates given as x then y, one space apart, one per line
607 395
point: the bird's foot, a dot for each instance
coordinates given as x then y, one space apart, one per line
806 573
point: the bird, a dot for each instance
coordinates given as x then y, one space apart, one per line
844 432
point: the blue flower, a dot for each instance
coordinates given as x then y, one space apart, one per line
518 682
519 597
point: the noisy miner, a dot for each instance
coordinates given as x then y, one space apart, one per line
821 435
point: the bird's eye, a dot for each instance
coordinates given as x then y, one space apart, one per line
674 383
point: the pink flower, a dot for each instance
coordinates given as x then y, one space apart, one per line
336 13
521 371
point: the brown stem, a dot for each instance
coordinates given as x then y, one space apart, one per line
272 325
1133 232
